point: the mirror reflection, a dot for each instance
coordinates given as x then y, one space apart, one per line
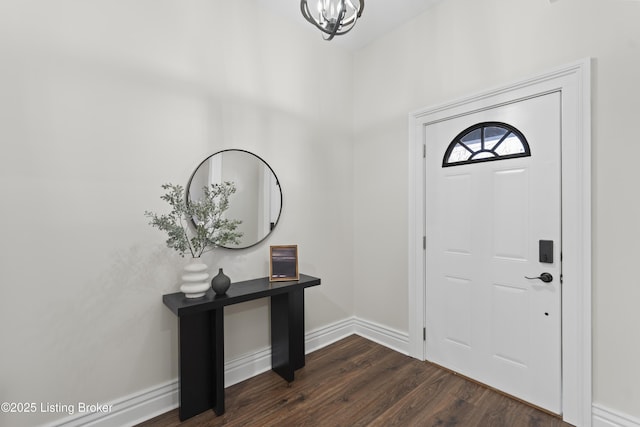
257 201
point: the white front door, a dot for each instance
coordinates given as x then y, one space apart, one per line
493 219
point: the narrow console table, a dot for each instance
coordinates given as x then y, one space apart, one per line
201 337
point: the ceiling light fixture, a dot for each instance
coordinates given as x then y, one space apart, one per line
333 17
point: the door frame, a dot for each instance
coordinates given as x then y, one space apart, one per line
573 81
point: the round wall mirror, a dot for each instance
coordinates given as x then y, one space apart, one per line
257 201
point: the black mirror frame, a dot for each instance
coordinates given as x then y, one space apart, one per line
273 226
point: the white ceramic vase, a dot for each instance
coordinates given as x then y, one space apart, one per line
195 279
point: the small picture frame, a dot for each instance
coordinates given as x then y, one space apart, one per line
283 263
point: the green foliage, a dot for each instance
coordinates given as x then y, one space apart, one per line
197 226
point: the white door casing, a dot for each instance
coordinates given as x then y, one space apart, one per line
572 82
484 318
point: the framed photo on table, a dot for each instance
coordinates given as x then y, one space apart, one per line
283 263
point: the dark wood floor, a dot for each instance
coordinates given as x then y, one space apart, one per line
356 382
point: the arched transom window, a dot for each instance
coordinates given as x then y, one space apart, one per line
485 142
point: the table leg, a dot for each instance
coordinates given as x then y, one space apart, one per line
217 320
196 373
201 361
297 300
287 333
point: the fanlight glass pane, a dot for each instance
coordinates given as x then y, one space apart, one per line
511 145
472 137
486 142
483 155
459 154
493 135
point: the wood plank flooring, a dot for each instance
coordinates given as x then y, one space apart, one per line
356 382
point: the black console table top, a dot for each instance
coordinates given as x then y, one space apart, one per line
247 290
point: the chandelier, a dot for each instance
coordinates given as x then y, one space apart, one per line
332 17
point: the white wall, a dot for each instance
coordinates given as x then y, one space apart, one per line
101 102
460 47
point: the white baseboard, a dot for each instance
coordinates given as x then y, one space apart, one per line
152 402
322 337
247 366
252 364
390 338
129 410
606 417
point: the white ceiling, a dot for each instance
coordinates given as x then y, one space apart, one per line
378 17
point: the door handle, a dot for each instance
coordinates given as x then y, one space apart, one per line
545 277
